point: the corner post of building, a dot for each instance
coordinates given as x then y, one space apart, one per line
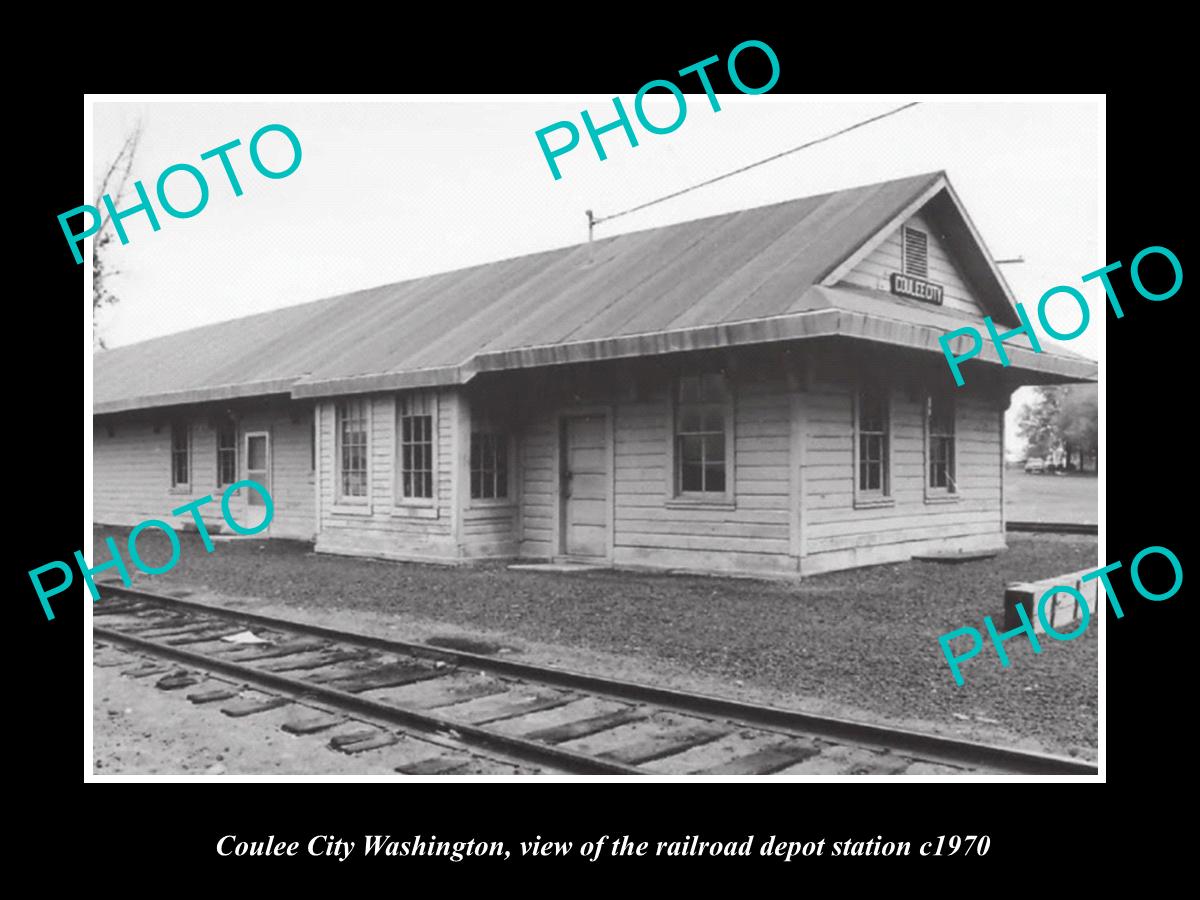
461 480
797 371
1005 396
318 467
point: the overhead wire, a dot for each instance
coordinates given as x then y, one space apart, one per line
746 168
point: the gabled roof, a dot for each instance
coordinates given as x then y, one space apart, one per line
724 280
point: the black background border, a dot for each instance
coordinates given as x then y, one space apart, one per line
1146 457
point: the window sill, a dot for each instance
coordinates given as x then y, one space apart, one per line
346 509
698 503
498 503
942 498
180 490
410 511
874 502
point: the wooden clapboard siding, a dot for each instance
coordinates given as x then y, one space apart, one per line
539 493
488 528
791 465
875 271
132 469
131 474
650 527
291 487
389 526
840 535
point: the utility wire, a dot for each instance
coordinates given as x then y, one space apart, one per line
752 165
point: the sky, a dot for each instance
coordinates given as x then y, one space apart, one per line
387 191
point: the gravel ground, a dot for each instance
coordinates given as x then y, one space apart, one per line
862 643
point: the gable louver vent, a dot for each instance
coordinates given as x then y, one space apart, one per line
916 253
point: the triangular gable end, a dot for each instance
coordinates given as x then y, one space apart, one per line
957 260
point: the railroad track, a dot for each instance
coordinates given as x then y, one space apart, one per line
472 706
1053 527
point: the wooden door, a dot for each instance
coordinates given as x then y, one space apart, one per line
584 486
258 465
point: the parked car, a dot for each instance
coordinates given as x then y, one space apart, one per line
1036 465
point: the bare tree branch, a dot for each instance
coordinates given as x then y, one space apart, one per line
114 183
120 167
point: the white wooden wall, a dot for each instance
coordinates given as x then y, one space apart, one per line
875 271
793 471
132 470
383 527
490 528
838 536
649 527
787 443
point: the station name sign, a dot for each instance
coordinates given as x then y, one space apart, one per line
907 286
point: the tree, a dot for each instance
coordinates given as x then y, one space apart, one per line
114 182
1038 422
1078 421
1063 417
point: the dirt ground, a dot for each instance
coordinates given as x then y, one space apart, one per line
859 644
1051 498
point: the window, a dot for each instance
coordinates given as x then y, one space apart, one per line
916 252
180 455
414 414
874 476
701 417
489 465
940 444
226 454
352 448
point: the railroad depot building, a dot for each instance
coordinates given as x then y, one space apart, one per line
758 392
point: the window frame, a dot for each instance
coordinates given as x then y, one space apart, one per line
904 264
180 487
405 504
505 439
865 498
951 492
230 426
351 502
676 496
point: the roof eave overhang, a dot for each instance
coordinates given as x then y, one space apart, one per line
197 395
1024 366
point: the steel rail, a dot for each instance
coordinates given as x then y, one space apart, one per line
928 747
298 689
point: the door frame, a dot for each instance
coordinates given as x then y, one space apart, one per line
560 500
263 433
